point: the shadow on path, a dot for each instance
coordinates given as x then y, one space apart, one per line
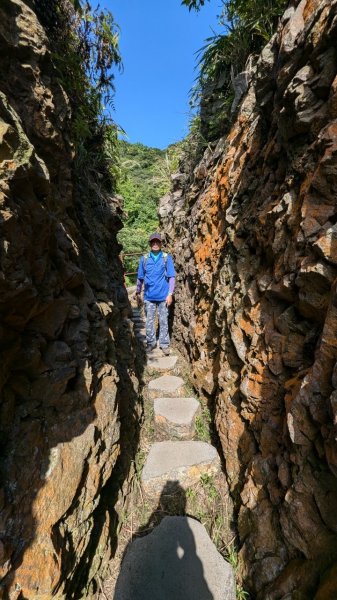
164 564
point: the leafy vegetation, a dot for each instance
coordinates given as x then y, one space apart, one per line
145 178
196 4
247 26
85 51
232 557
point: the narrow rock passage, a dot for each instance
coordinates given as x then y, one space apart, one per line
178 559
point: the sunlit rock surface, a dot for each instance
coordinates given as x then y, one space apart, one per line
184 462
255 243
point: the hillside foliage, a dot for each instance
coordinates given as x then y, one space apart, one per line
145 178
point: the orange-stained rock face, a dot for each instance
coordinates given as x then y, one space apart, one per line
256 254
67 380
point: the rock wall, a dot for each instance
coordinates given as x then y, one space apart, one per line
68 382
254 236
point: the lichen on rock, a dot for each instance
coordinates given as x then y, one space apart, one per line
254 242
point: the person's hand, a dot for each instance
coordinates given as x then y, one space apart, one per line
169 300
139 300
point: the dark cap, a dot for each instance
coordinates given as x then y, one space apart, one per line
155 236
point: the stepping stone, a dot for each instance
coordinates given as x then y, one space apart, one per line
183 462
156 353
141 337
138 321
162 363
176 560
140 333
175 417
166 385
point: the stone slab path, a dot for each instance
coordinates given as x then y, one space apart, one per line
169 385
174 418
177 560
141 337
162 363
155 353
183 462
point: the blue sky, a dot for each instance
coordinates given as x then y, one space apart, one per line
159 39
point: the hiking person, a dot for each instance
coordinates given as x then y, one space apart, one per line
156 270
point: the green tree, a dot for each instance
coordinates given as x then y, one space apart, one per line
193 4
145 178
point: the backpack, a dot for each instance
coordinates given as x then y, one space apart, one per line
147 256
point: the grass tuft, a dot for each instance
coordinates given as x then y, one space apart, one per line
231 555
203 425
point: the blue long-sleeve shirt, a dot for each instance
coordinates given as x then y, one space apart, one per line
159 279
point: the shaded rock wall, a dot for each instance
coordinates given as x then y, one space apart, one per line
68 382
254 235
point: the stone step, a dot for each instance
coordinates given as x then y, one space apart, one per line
155 352
177 560
138 321
166 385
140 329
162 363
140 336
182 462
174 418
140 333
152 354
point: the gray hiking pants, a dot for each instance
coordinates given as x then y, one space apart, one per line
150 312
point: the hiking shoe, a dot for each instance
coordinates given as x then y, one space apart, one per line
151 347
166 351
